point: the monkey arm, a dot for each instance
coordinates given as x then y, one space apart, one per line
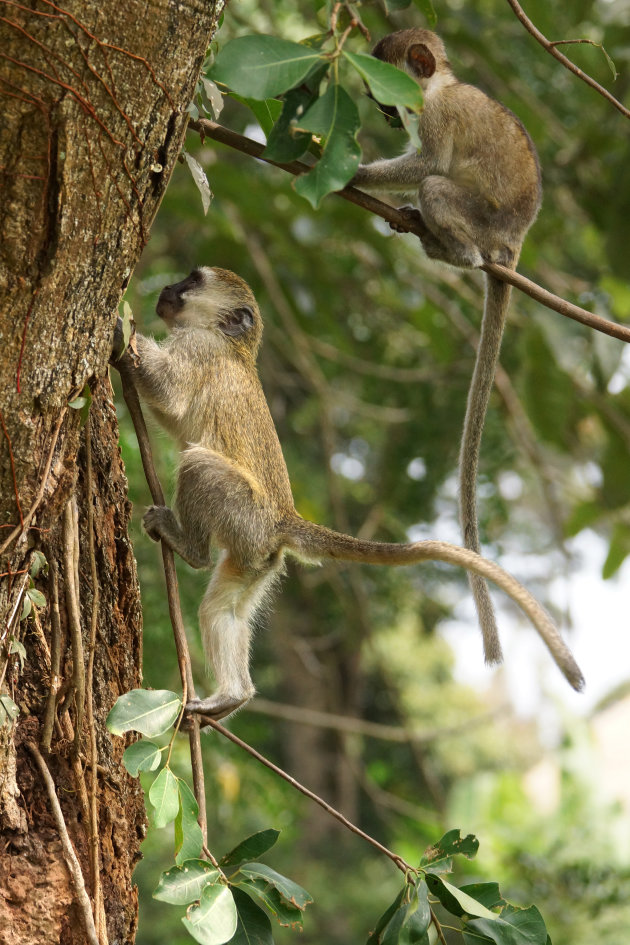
397 175
157 375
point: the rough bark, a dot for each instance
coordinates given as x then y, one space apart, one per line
94 100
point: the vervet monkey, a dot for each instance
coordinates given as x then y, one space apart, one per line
233 489
477 185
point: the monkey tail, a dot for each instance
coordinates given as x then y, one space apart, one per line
495 311
312 542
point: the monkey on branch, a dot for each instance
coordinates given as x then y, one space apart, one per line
476 181
233 490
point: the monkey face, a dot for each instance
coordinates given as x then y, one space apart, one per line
216 300
173 297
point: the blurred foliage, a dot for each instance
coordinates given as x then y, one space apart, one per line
366 362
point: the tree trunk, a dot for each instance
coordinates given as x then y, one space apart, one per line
94 100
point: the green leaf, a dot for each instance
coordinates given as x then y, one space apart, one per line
290 892
451 844
8 710
618 551
16 646
583 515
513 927
188 833
455 901
288 916
417 918
488 894
82 403
184 884
426 7
334 116
254 927
38 563
251 848
213 921
200 179
37 597
27 606
141 756
262 66
388 85
148 711
284 142
211 97
267 111
164 797
376 935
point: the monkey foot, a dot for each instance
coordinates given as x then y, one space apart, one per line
215 707
412 216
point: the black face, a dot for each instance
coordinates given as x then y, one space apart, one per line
170 300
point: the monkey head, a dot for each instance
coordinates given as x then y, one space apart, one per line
216 300
420 53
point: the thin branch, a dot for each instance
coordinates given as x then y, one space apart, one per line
55 657
356 726
72 862
43 481
551 48
97 892
397 860
217 132
177 621
70 547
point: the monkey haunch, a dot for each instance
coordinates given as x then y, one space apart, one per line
233 489
477 185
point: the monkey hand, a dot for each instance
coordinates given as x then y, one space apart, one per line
414 218
118 342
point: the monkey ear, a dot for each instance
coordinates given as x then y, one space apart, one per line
421 60
237 321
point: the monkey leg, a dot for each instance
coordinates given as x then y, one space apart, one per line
431 245
225 617
455 217
160 523
219 501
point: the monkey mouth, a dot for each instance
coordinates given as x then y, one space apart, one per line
168 304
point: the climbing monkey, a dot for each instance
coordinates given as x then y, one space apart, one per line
233 490
477 184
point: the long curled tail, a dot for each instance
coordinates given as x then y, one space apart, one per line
312 542
497 300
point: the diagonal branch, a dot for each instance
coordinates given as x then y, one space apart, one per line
394 857
232 139
72 862
181 644
551 48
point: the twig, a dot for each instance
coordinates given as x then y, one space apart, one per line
217 132
55 657
72 862
177 621
70 547
551 48
438 927
355 726
101 929
43 480
12 461
397 860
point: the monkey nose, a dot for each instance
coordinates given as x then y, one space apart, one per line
168 304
